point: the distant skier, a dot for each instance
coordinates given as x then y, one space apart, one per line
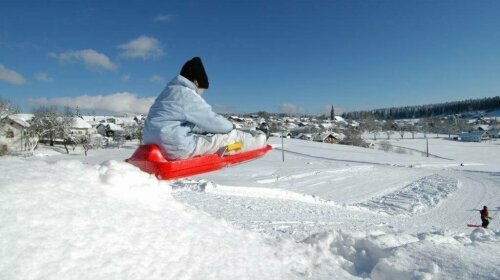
485 217
185 126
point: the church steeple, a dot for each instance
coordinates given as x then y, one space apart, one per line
332 114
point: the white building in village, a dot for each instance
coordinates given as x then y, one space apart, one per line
119 121
13 134
108 129
80 127
327 137
475 136
305 136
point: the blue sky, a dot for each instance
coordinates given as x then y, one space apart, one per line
277 56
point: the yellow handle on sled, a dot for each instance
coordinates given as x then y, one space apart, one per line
234 147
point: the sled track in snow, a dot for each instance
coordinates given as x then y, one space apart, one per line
417 197
248 192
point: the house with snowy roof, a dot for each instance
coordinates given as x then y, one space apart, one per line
140 119
326 125
128 121
13 134
494 133
80 126
339 120
327 137
305 136
109 129
475 136
483 127
281 135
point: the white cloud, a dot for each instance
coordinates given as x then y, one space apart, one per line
121 102
43 77
11 76
163 18
291 109
125 77
92 59
143 47
157 79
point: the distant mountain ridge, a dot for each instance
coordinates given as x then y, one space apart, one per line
431 110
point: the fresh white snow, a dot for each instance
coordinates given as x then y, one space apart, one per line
326 212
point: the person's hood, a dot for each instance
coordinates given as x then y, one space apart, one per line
182 81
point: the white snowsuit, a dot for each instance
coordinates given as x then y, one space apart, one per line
179 113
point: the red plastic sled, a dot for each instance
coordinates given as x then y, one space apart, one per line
473 225
150 159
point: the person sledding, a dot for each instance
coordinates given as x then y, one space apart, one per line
183 125
485 217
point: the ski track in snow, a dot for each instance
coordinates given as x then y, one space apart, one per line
417 197
280 212
475 189
286 216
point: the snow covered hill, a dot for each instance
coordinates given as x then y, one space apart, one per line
326 212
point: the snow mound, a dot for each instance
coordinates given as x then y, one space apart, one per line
380 255
69 220
417 197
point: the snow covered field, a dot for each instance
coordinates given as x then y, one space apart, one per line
326 212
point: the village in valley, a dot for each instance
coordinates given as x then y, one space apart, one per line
22 133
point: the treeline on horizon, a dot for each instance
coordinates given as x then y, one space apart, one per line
427 111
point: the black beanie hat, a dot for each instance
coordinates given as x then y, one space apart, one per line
193 70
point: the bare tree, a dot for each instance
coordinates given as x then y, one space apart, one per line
404 128
370 124
31 142
64 129
463 125
411 128
49 123
45 123
388 128
425 126
353 137
389 133
451 126
134 131
90 142
119 138
6 109
276 127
